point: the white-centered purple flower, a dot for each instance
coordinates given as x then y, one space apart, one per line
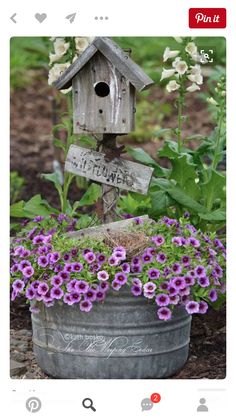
192 307
158 240
43 261
164 313
212 295
82 286
176 268
161 257
102 276
121 278
28 271
90 257
162 300
85 305
43 288
136 290
203 307
203 282
56 293
18 285
200 271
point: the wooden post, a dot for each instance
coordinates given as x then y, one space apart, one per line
109 193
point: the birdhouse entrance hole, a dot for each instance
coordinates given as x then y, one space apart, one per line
102 89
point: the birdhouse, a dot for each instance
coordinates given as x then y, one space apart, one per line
104 80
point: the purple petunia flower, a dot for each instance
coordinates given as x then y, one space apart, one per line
39 239
116 285
66 257
174 299
74 251
75 297
189 280
164 313
85 305
191 228
176 268
90 257
119 252
147 257
90 295
18 285
153 273
136 290
35 284
100 295
203 307
178 282
151 250
18 250
149 294
94 267
136 281
194 242
30 234
166 271
203 282
125 267
67 268
71 286
186 260
184 291
177 241
136 269
14 268
104 286
30 293
68 299
135 260
212 295
43 250
28 271
25 253
192 307
62 217
164 286
200 271
76 267
38 218
103 276
14 294
162 300
56 281
149 287
23 264
101 258
65 276
82 286
54 257
161 257
43 288
43 261
56 293
158 240
121 278
172 291
113 261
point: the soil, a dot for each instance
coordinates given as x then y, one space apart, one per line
207 355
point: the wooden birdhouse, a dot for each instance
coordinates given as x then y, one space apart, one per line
104 80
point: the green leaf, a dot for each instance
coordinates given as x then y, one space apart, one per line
217 215
160 202
91 196
184 199
35 206
140 155
214 189
169 150
52 177
182 170
17 209
59 144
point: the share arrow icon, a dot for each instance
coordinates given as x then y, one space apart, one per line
71 17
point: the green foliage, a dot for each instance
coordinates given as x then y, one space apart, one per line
35 206
16 186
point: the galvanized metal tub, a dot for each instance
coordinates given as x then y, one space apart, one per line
120 338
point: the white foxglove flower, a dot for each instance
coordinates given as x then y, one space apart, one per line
211 101
65 91
56 71
178 39
176 60
60 46
167 73
53 58
81 43
191 48
181 67
172 86
169 54
196 78
193 88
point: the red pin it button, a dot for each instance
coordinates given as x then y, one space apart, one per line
208 18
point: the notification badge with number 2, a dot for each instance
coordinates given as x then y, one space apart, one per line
155 397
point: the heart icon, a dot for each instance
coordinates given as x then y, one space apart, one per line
40 17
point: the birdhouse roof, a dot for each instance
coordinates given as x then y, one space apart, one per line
119 58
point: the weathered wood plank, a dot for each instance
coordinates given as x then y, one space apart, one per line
119 173
123 63
98 231
65 81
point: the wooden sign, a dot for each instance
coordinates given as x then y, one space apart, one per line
118 173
